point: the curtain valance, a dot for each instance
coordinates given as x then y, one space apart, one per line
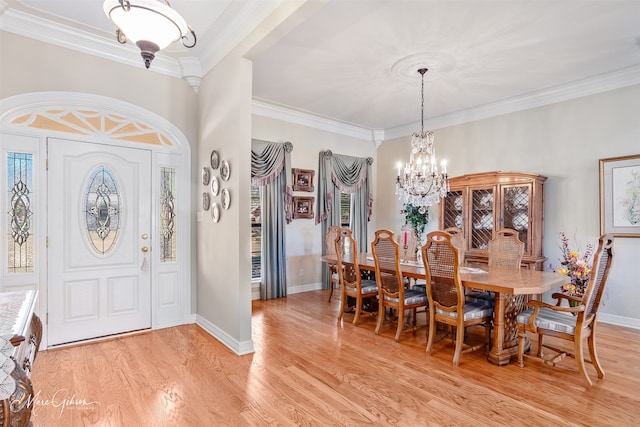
347 173
268 161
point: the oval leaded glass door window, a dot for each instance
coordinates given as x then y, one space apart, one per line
102 210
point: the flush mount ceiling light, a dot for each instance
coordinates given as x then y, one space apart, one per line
151 24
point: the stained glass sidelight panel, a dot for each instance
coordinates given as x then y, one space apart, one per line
103 204
167 214
20 185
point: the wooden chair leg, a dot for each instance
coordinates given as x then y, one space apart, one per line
593 353
381 313
487 335
539 353
356 317
400 324
521 337
579 355
332 284
432 331
459 343
342 304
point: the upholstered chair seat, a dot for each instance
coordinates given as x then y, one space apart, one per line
550 320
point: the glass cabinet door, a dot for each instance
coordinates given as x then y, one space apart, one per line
452 212
482 217
515 201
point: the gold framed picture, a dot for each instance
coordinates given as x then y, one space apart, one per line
620 196
302 207
303 179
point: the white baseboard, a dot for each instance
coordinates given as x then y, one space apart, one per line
629 322
238 347
304 288
255 289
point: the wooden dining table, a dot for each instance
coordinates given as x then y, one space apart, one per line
511 290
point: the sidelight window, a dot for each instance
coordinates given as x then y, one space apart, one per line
20 185
167 214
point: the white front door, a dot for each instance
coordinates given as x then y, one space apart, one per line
99 224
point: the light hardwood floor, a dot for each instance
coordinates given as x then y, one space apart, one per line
308 370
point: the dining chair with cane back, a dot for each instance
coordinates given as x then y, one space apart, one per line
391 286
447 303
351 282
505 251
458 240
408 243
554 320
330 242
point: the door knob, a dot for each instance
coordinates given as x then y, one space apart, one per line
145 249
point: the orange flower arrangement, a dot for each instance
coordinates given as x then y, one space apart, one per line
577 267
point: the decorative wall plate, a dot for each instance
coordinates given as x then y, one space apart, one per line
215 185
206 175
225 170
520 221
215 212
457 203
226 198
215 160
206 201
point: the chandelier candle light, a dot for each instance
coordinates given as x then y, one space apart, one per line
420 183
151 24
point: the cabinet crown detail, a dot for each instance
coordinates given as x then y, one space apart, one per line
480 204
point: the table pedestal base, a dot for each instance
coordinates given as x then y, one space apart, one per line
505 328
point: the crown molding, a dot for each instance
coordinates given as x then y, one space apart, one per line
279 112
189 68
37 28
250 18
605 82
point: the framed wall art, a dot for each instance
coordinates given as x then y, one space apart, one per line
303 179
302 207
620 196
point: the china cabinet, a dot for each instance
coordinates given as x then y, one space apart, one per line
482 203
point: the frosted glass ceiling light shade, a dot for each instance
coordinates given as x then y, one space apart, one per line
151 24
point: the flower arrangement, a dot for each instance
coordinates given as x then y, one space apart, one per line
417 217
577 267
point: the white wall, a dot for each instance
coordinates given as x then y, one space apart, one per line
564 142
224 257
304 239
27 65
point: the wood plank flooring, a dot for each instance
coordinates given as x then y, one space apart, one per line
307 370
